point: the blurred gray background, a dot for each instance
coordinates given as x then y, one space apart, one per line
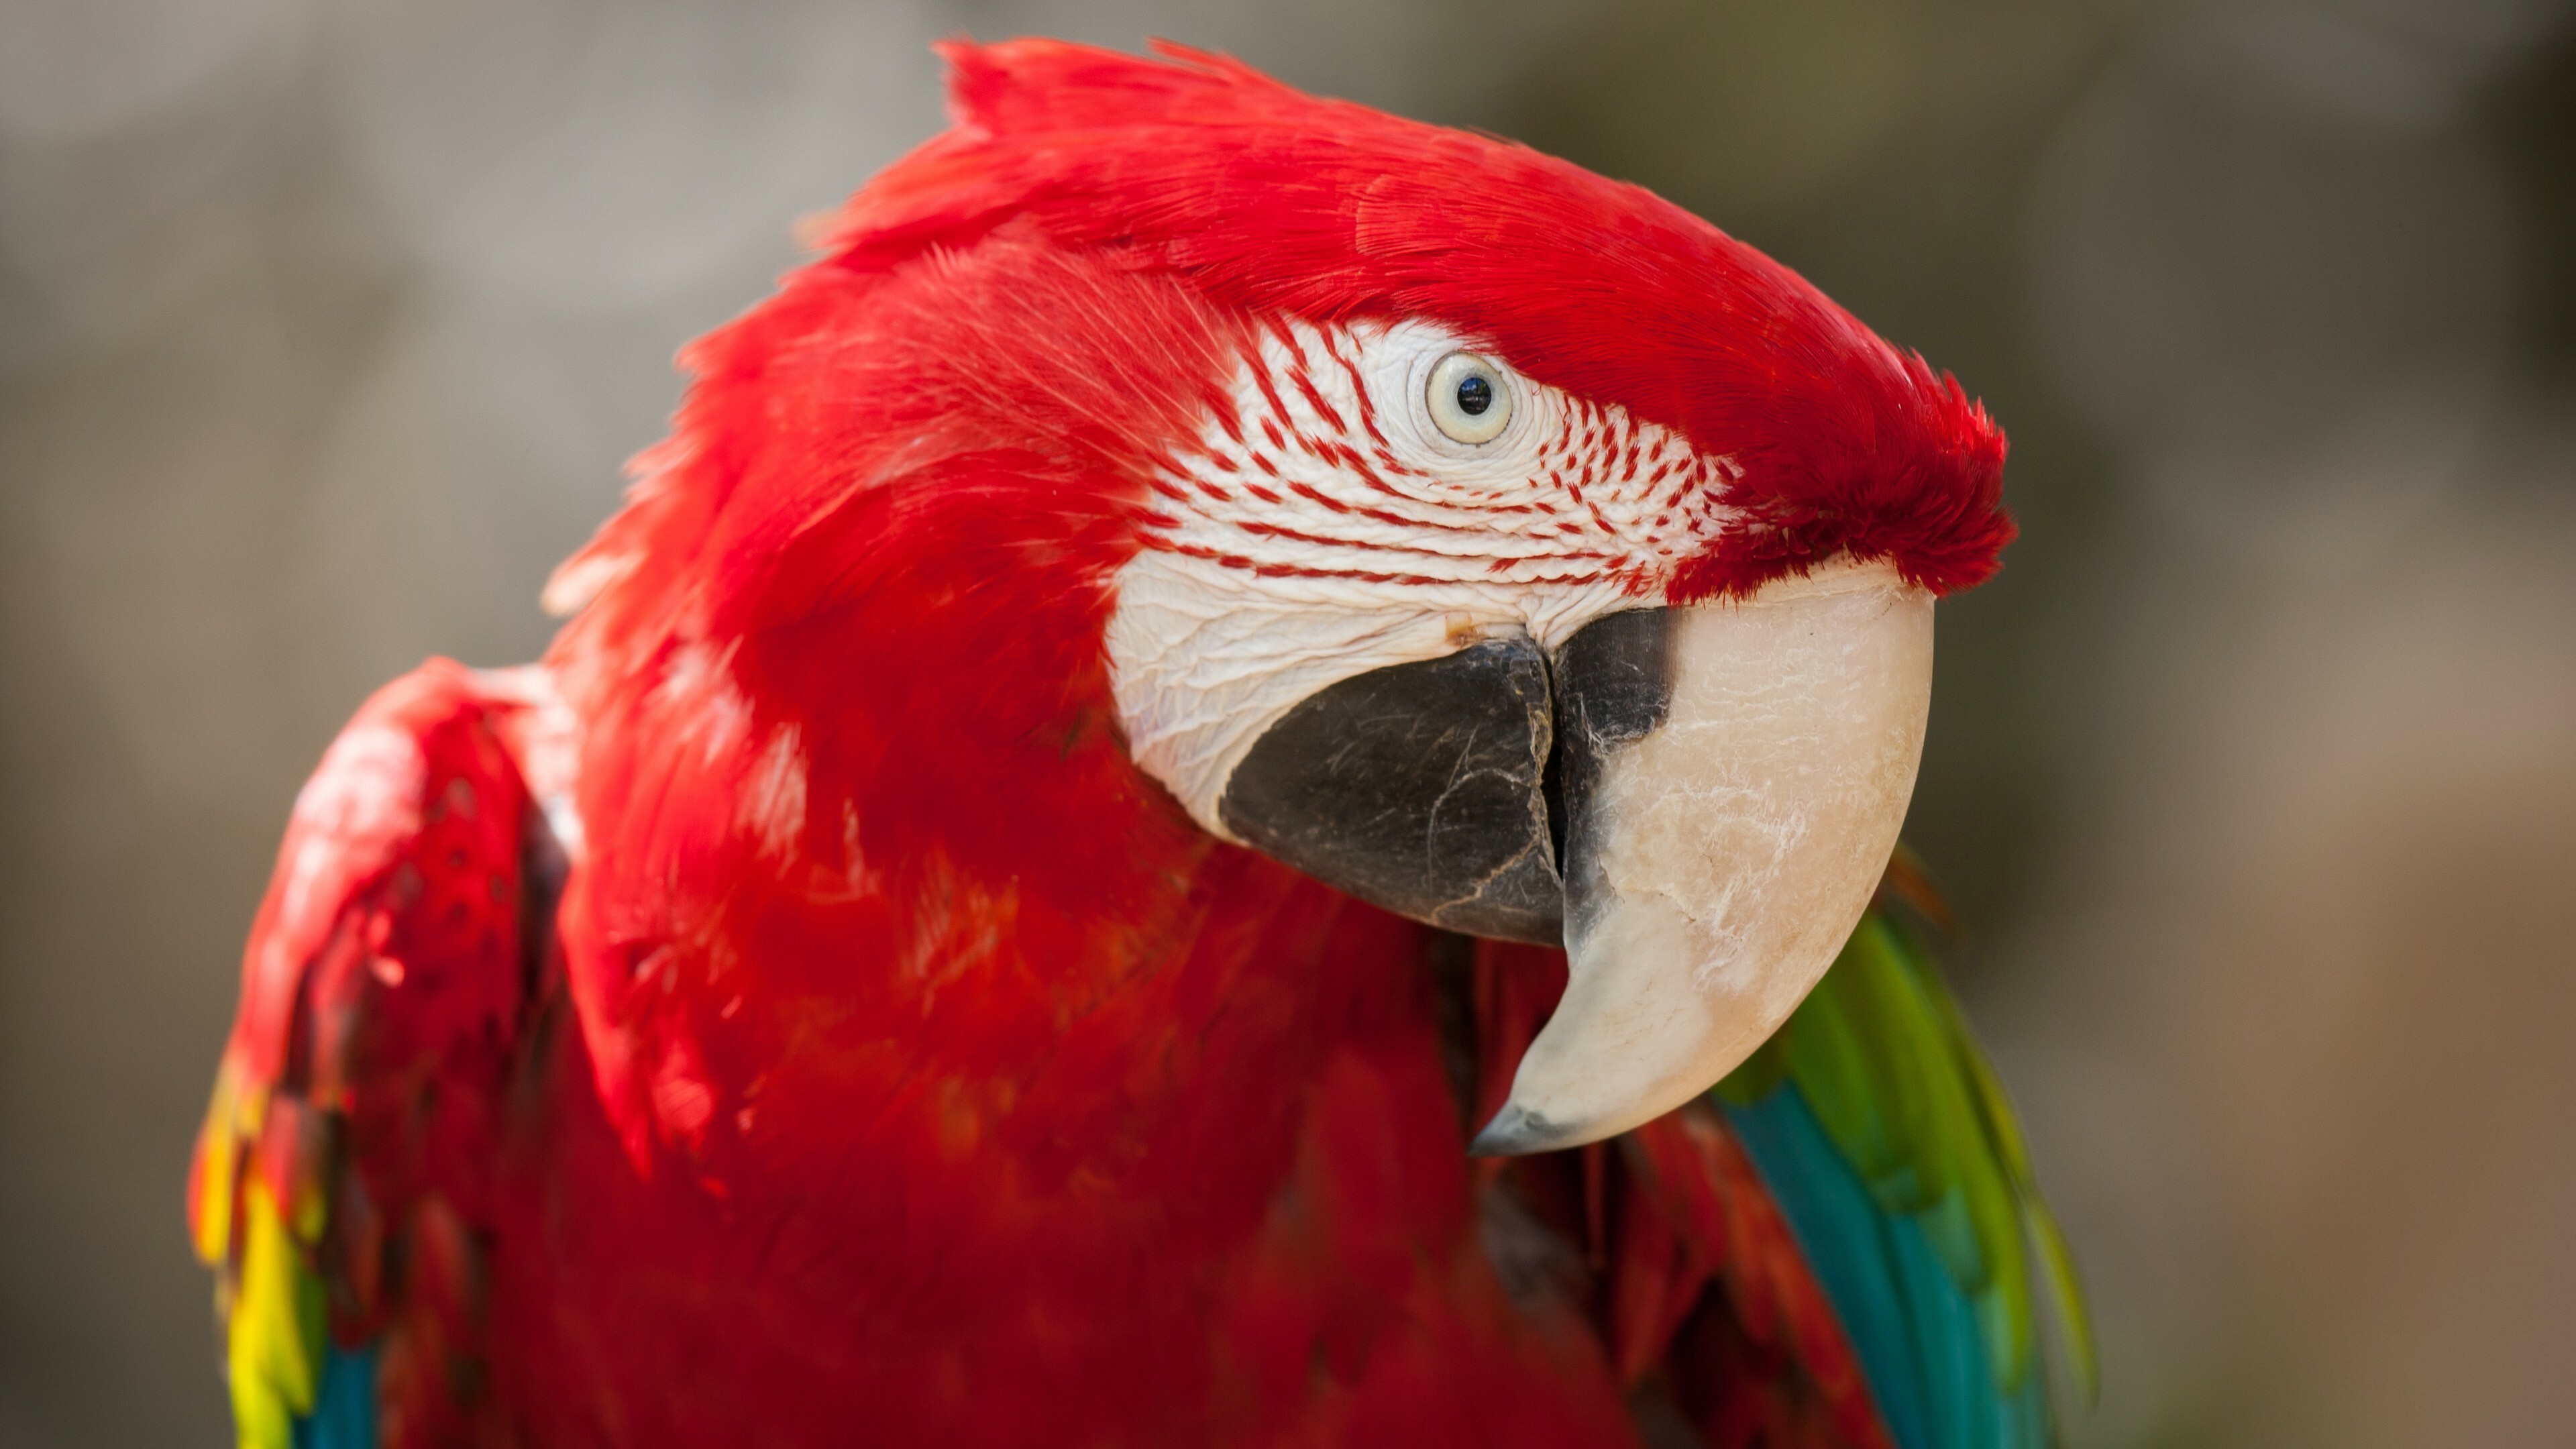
326 324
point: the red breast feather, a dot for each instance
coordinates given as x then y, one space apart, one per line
983 1095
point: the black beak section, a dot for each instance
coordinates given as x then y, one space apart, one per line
1420 788
1450 790
1614 686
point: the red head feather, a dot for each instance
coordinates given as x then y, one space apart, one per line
1261 200
865 581
1268 200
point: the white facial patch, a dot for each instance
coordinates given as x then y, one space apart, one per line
1330 528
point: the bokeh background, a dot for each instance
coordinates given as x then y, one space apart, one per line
325 326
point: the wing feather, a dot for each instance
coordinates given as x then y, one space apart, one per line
1881 1130
354 1106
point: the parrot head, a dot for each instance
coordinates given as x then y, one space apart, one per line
1491 541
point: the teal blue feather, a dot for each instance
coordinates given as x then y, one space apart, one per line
1918 1337
344 1409
1842 1234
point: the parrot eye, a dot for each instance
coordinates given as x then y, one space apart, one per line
1469 398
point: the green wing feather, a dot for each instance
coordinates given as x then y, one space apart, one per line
1880 1059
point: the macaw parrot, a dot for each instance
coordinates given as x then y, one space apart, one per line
1234 782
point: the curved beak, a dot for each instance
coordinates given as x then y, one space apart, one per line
1732 777
1695 802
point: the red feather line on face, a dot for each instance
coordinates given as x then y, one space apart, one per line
1269 201
1336 501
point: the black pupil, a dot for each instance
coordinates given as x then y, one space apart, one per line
1475 395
